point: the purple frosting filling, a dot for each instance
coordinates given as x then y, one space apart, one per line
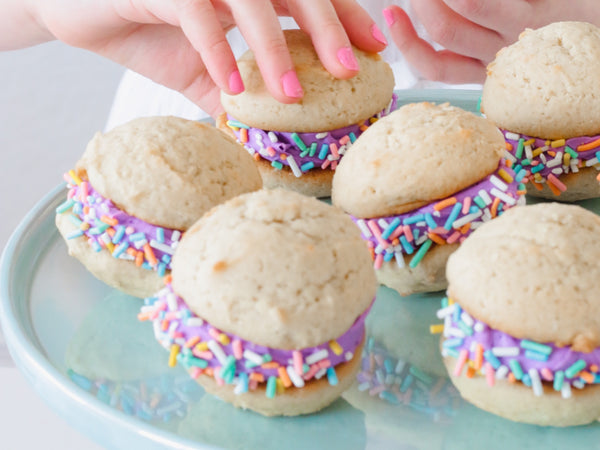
414 232
176 325
303 151
107 227
569 156
522 357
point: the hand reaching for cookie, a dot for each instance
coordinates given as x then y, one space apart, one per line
182 43
472 31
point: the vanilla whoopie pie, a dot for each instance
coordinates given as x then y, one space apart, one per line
543 91
419 181
138 187
521 335
266 303
298 146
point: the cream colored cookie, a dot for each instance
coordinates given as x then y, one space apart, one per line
581 185
418 154
167 171
314 183
516 402
428 276
118 273
314 396
533 273
328 102
547 84
276 268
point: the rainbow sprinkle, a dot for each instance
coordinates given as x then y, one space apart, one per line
204 350
483 351
109 228
302 152
442 222
541 161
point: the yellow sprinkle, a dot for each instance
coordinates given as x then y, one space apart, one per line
529 142
537 152
538 177
557 143
173 355
110 246
201 346
224 339
373 119
505 176
450 301
84 226
436 329
279 387
566 159
74 176
335 347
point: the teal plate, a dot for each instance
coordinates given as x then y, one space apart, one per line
79 344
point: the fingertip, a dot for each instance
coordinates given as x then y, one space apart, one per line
291 87
235 84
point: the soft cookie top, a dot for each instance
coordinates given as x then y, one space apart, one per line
547 84
418 154
167 171
328 103
533 273
275 268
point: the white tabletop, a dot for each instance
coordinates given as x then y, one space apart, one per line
53 99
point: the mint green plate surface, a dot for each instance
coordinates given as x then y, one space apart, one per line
78 342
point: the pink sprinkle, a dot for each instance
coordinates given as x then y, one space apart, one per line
408 233
372 224
454 237
67 178
466 205
462 239
271 151
377 390
202 354
252 385
217 375
460 362
324 364
311 372
370 244
547 374
378 261
238 352
325 164
71 194
129 230
345 140
439 230
298 362
334 165
84 191
177 335
556 182
489 374
195 372
214 333
192 341
396 233
334 150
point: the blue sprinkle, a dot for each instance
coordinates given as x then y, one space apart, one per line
63 207
526 379
75 234
81 381
453 216
160 235
324 151
307 166
411 220
119 233
453 342
352 137
390 228
161 269
137 236
95 246
166 258
530 354
473 209
243 382
537 168
236 124
75 220
406 245
332 376
492 359
408 380
389 365
121 248
389 397
388 256
146 265
431 223
457 312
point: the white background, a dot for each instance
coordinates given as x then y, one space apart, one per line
53 98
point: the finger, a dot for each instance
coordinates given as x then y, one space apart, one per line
260 27
508 17
456 33
434 65
199 22
360 27
320 20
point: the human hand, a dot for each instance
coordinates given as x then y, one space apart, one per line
472 31
181 43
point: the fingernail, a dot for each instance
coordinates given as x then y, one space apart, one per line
389 17
236 85
291 84
346 57
378 35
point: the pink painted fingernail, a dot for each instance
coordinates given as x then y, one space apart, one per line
236 85
346 57
389 17
291 84
378 35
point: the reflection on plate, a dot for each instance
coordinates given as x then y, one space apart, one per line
79 343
